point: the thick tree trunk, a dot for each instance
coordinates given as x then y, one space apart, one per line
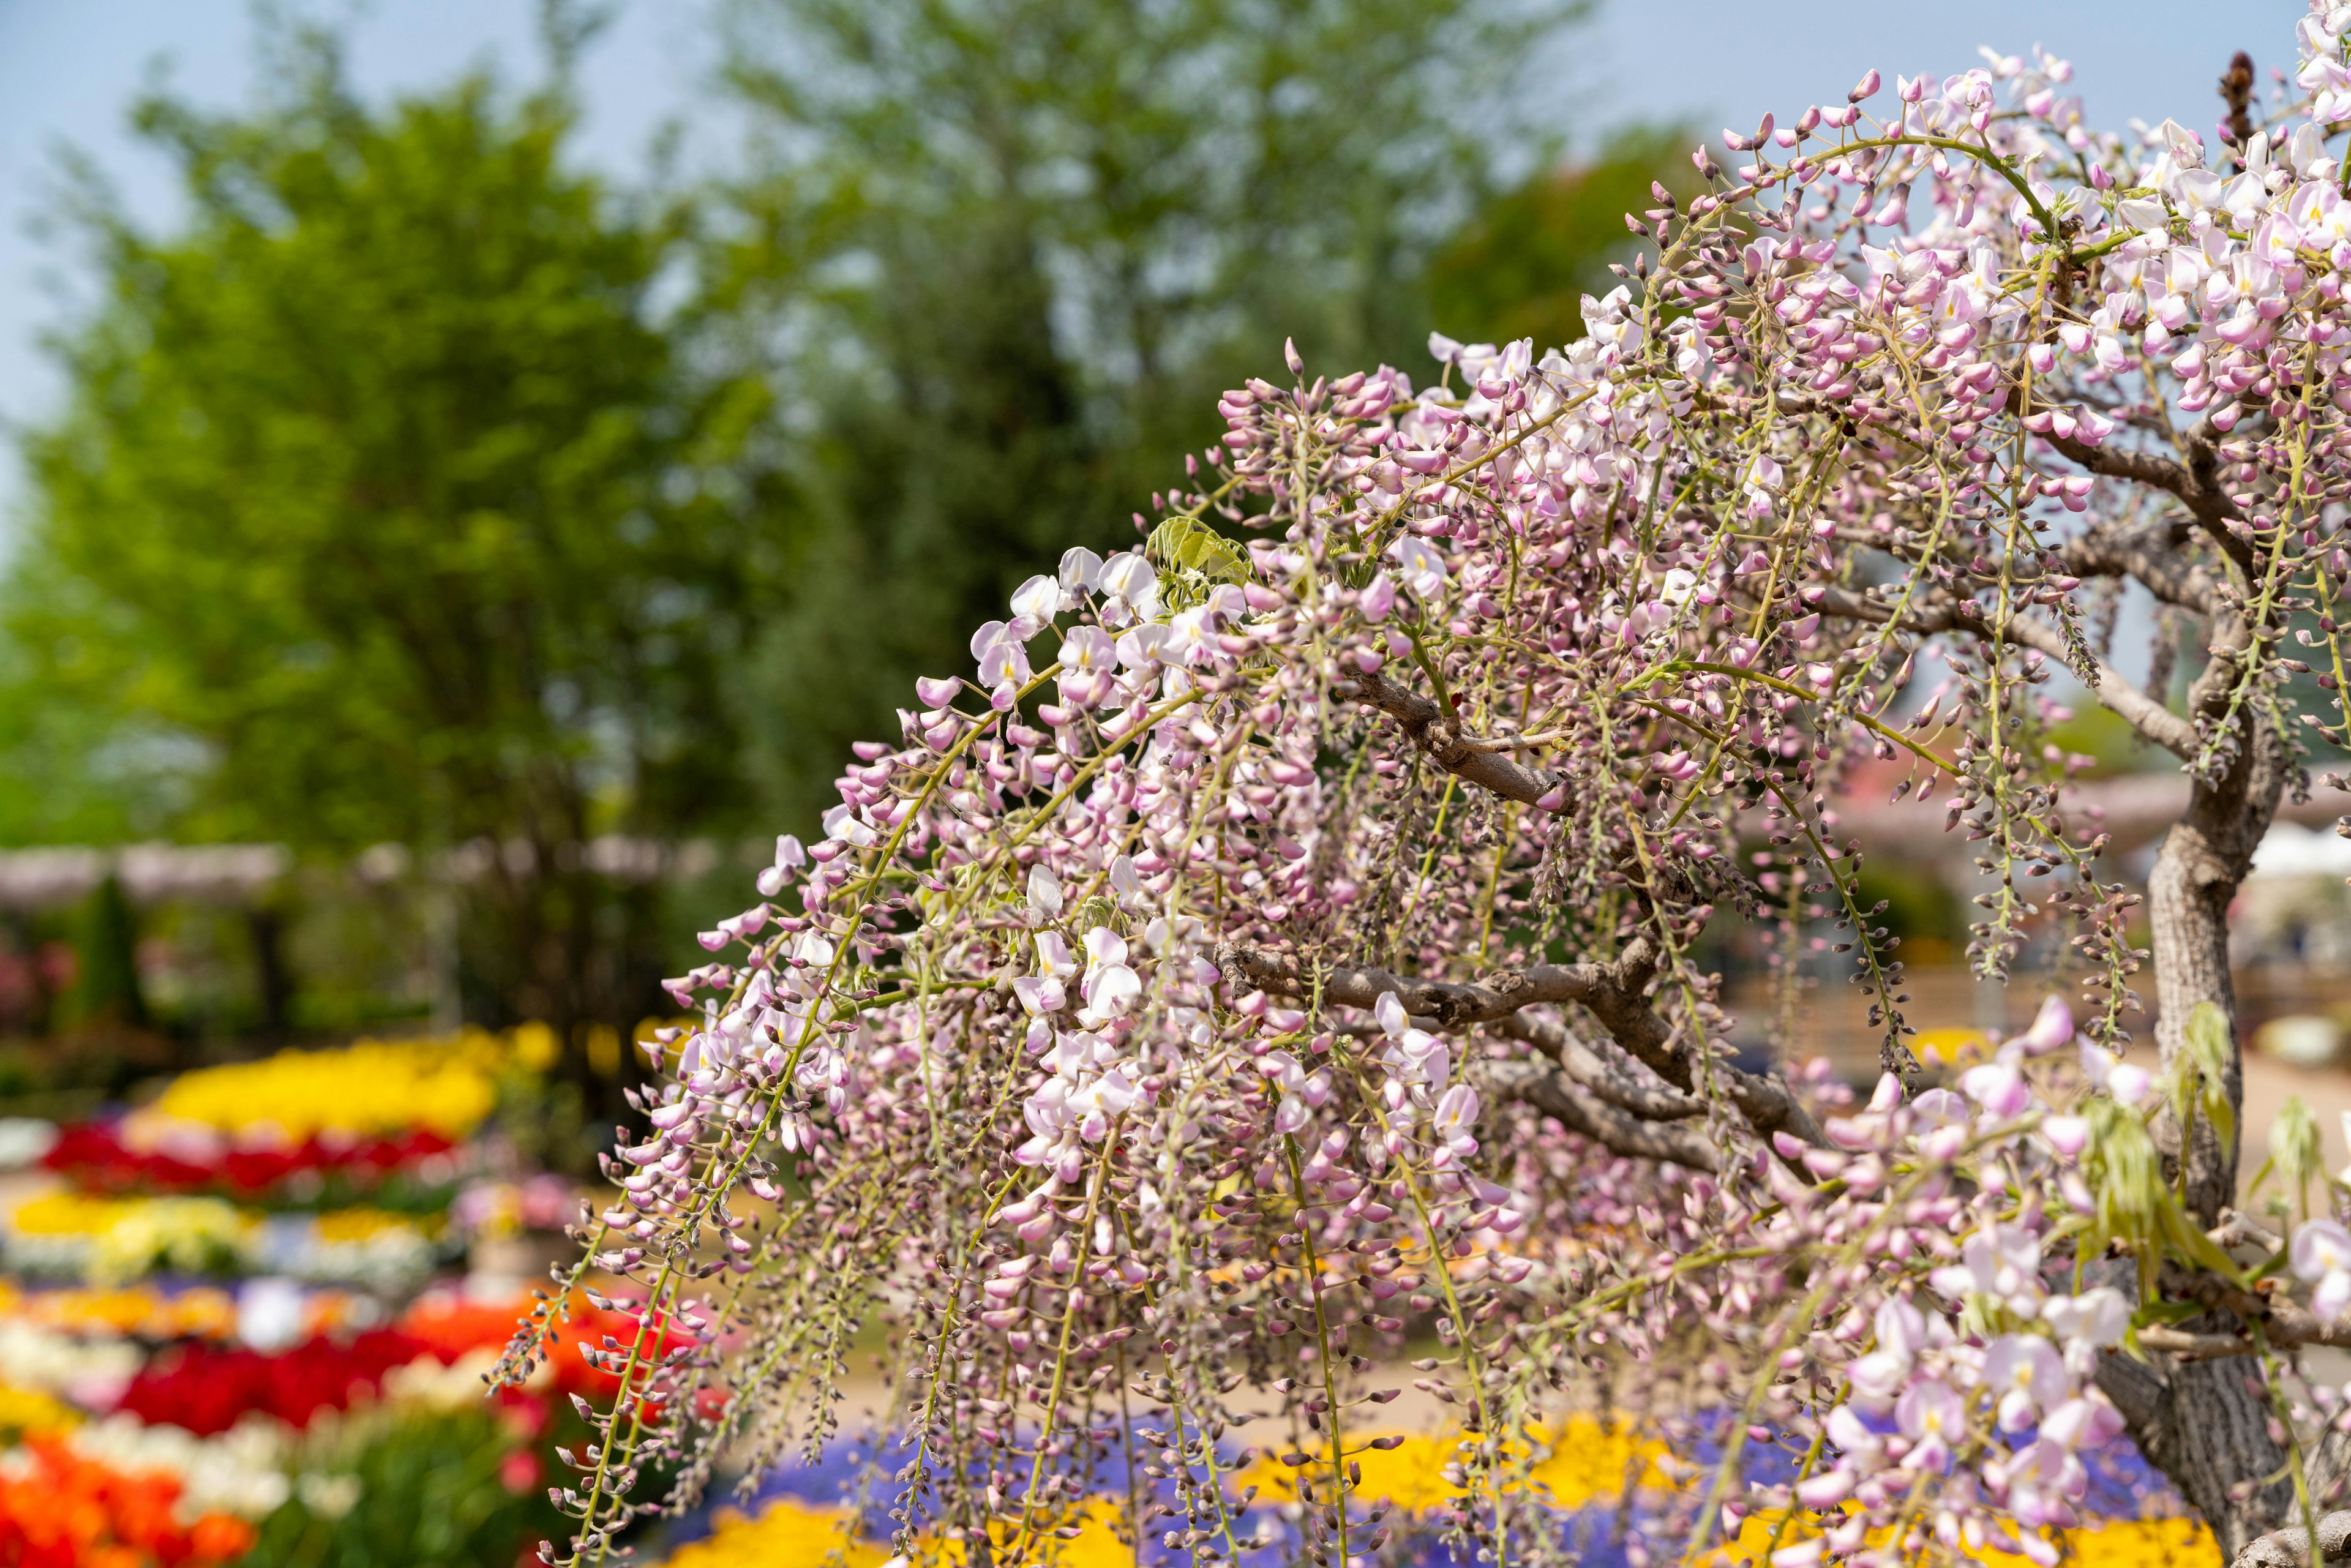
2200 1423
2204 857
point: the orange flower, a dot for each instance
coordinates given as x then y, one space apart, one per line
60 1511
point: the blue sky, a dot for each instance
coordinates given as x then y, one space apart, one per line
69 68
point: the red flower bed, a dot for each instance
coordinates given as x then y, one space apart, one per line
96 1159
449 1327
205 1388
65 1511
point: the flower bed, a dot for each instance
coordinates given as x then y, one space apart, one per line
111 1240
416 1169
1605 1482
196 1452
60 1511
213 1350
374 1088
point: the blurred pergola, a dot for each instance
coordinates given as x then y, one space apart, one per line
250 875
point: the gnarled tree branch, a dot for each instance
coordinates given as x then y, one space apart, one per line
2140 711
1612 993
1621 1083
2150 553
2291 1548
2195 483
1434 733
1553 1093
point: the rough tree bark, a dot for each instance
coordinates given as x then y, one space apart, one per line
2205 1424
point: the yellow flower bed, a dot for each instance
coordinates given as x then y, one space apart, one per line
370 1087
110 1241
1589 1462
1589 1466
2106 1543
204 1313
357 1225
785 1534
29 1412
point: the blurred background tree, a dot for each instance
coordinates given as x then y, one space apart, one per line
1523 264
1010 249
386 489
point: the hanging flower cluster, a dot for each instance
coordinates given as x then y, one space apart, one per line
1282 941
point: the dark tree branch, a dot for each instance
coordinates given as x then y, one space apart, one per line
2291 1548
1553 1093
1434 733
1622 1082
2150 553
2195 483
1612 993
1948 613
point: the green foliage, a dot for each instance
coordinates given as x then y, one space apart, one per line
383 480
1020 243
388 505
2133 1207
386 494
2100 732
429 1494
1521 268
1186 544
1918 902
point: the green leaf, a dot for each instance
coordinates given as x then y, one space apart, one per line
2208 1040
2293 1140
1096 911
2199 1248
1193 545
2211 1047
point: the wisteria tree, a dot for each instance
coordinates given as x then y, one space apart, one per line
1283 941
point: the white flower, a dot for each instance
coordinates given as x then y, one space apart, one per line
1111 989
2121 1081
1127 576
1457 1115
789 858
1145 645
2002 1261
2052 1028
1044 892
1930 1414
2097 1318
1087 649
999 648
1421 564
2322 1256
1039 994
2028 1375
1038 600
842 823
1080 570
